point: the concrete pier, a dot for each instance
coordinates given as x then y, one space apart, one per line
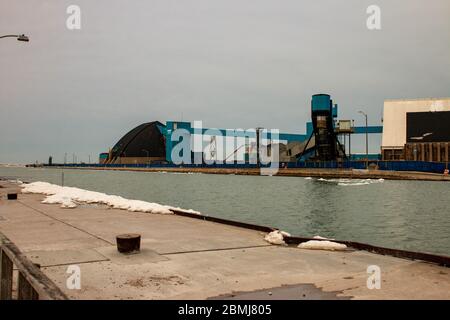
293 172
185 258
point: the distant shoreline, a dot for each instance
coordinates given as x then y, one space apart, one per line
8 165
290 172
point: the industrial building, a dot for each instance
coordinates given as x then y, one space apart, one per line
143 144
416 130
324 140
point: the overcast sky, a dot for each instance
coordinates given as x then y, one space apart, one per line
229 63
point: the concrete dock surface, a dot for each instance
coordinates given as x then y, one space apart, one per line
185 258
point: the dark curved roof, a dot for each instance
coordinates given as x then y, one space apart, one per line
146 140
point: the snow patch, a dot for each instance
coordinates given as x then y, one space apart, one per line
322 238
16 181
276 237
68 197
322 245
67 203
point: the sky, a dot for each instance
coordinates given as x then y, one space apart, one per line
228 63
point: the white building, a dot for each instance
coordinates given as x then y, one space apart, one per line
396 120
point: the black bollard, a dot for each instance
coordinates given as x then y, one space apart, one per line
12 196
128 243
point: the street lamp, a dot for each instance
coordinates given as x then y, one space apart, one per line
367 139
258 137
20 37
148 154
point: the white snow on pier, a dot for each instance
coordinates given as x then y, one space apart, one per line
322 245
70 197
276 237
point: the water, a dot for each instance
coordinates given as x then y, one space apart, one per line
411 215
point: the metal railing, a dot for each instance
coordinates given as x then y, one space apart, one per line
32 283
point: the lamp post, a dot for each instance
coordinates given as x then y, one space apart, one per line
258 137
20 37
148 154
367 140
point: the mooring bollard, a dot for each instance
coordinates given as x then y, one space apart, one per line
12 196
128 243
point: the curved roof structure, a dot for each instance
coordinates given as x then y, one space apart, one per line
146 140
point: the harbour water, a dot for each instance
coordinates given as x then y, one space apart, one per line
411 215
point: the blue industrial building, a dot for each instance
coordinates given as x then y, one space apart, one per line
155 142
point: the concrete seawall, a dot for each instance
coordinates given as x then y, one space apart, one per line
185 258
319 173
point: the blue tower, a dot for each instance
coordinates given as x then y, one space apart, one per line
327 146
